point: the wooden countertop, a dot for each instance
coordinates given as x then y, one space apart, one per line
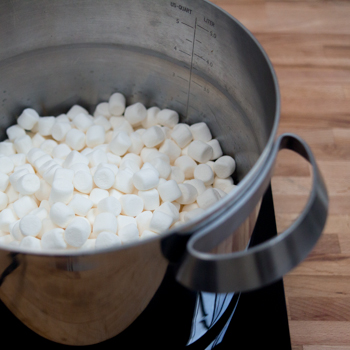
308 43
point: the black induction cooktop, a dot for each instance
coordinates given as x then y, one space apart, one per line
178 318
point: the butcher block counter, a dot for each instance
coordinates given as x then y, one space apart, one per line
308 43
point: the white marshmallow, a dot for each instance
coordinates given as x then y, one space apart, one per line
136 143
150 199
61 214
124 181
109 204
75 110
23 144
91 215
182 135
30 225
53 240
95 136
160 222
12 194
224 167
112 167
217 151
124 220
48 145
198 184
79 167
129 233
143 220
107 240
40 213
187 165
167 117
149 154
104 178
28 119
151 118
200 151
65 174
200 131
105 222
43 193
163 168
188 194
193 214
223 184
4 181
169 191
61 151
14 177
75 157
24 166
28 184
19 159
134 157
166 131
89 244
80 204
61 191
37 140
82 122
132 205
177 174
7 240
59 130
45 125
77 232
62 118
171 149
170 209
39 162
145 179
208 198
146 234
15 131
24 206
121 124
211 164
130 165
153 136
7 148
135 113
220 192
102 109
7 217
96 195
116 104
204 173
120 143
113 159
46 166
103 121
34 154
189 207
15 231
75 139
4 199
83 182
31 243
116 194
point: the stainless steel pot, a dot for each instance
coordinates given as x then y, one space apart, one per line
186 55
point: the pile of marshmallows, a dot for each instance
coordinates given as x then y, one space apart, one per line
78 181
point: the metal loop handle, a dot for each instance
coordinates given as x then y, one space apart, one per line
266 262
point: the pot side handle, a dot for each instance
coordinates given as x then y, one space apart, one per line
264 263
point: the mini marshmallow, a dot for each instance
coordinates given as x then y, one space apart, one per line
37 140
91 215
136 143
145 179
150 199
7 239
12 194
48 145
83 182
116 104
187 165
75 110
208 198
151 118
160 222
28 184
66 174
77 232
112 167
189 207
41 213
116 194
171 149
163 168
53 240
120 143
61 214
15 230
170 209
95 136
211 164
135 113
204 173
217 151
110 205
75 157
4 200
62 118
143 220
107 240
61 191
121 124
59 130
220 192
182 135
46 166
39 162
79 167
166 131
31 243
15 131
19 159
149 154
14 177
34 154
113 159
30 225
45 125
82 122
50 173
43 193
124 220
223 184
89 244
200 131
167 117
104 178
129 233
190 215
28 119
130 165
61 151
177 174
80 204
146 234
103 121
4 181
124 181
23 144
132 205
198 184
7 217
97 195
200 151
75 139
224 167
169 191
105 222
153 136
24 206
7 148
102 109
188 194
24 166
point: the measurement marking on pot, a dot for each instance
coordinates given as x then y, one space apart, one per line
203 28
186 53
181 103
198 41
189 40
182 78
200 57
187 25
197 83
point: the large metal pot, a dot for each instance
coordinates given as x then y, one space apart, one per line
186 55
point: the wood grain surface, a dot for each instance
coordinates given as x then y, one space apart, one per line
308 43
